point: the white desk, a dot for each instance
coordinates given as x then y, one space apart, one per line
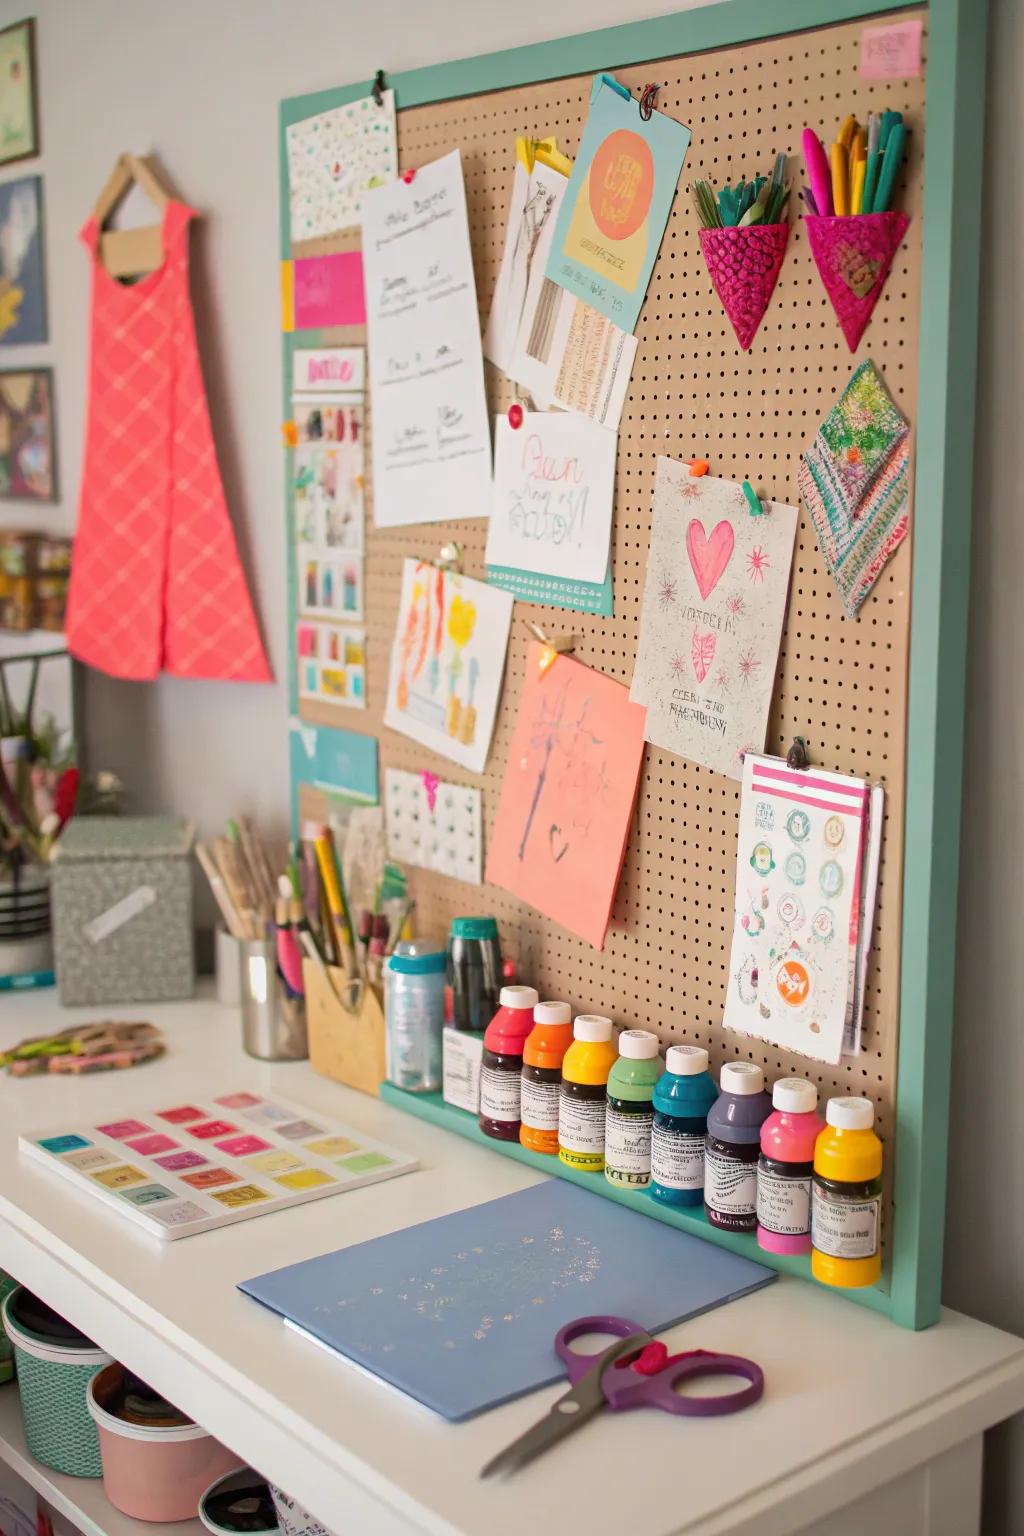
855 1408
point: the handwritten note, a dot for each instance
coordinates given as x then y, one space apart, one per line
891 53
554 481
431 444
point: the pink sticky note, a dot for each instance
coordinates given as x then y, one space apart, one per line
176 1161
891 53
243 1146
121 1129
148 1145
237 1100
211 1128
328 290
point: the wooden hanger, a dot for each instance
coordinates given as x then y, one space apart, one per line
131 252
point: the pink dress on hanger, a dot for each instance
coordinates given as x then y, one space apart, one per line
156 582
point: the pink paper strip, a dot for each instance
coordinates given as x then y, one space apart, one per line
891 53
329 291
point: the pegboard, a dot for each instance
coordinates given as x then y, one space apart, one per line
841 684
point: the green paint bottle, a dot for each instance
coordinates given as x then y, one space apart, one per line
630 1118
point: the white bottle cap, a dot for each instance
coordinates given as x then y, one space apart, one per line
795 1096
592 1028
686 1060
850 1114
552 1013
639 1044
741 1077
518 997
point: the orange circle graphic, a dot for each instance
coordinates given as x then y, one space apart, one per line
621 184
793 983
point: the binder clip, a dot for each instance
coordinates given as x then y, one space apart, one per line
798 757
648 101
553 647
378 88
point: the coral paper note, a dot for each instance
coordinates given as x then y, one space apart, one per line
560 835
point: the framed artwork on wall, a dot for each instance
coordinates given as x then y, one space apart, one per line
22 280
28 467
19 109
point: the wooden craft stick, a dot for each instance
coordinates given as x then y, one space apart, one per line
228 910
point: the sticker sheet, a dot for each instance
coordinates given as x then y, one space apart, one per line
567 799
711 624
797 912
192 1165
331 664
333 159
433 824
447 662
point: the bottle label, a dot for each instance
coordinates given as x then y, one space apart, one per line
627 1146
581 1125
844 1229
783 1204
729 1185
677 1159
540 1106
499 1094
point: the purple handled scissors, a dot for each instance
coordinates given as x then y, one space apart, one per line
634 1372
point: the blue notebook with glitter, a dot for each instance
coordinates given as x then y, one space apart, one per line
461 1312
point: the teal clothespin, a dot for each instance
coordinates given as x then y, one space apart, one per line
756 509
616 85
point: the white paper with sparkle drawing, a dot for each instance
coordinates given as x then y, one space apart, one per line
714 604
333 159
797 911
433 824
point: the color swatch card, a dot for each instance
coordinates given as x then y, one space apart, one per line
434 825
617 204
336 157
431 436
447 662
188 1167
461 1312
331 664
798 904
711 624
554 487
567 800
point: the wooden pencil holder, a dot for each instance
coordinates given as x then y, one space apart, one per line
345 1020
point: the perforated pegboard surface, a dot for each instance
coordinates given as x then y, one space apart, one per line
841 684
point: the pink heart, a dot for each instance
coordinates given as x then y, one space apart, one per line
702 651
709 556
431 783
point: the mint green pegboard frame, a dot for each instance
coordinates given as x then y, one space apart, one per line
946 363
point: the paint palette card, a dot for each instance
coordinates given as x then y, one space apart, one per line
433 824
711 624
333 159
447 662
190 1166
798 904
331 664
566 803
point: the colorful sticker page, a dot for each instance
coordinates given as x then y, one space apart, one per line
447 662
190 1166
617 204
563 820
331 664
333 159
431 436
711 624
433 824
801 840
554 488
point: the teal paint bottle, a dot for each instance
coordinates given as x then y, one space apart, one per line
682 1099
630 1114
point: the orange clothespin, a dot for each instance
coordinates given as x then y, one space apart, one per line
290 433
551 648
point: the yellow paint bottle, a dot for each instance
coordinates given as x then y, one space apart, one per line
583 1095
846 1199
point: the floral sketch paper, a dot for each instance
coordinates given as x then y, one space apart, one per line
714 604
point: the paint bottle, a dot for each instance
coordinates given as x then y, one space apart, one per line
846 1197
582 1100
630 1115
682 1098
501 1072
785 1167
543 1054
732 1147
474 971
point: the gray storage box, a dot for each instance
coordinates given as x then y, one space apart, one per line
122 910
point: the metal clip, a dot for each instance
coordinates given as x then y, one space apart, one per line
648 101
552 647
378 88
798 757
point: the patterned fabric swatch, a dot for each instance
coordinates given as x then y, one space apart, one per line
854 481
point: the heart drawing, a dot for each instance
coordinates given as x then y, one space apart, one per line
557 853
709 556
702 649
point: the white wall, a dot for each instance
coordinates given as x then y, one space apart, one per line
198 81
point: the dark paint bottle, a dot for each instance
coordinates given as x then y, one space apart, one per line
732 1147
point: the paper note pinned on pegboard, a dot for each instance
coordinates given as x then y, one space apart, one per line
434 824
891 53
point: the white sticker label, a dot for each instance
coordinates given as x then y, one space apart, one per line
844 1229
627 1145
540 1105
729 1185
120 913
677 1159
462 1056
783 1204
581 1124
499 1094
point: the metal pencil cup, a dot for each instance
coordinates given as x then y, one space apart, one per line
273 1024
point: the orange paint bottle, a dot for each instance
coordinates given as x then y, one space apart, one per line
543 1052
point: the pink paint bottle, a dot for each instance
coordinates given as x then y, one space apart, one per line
786 1166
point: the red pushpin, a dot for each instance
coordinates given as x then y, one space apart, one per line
409 175
515 415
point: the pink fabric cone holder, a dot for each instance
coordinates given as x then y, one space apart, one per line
744 263
853 254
